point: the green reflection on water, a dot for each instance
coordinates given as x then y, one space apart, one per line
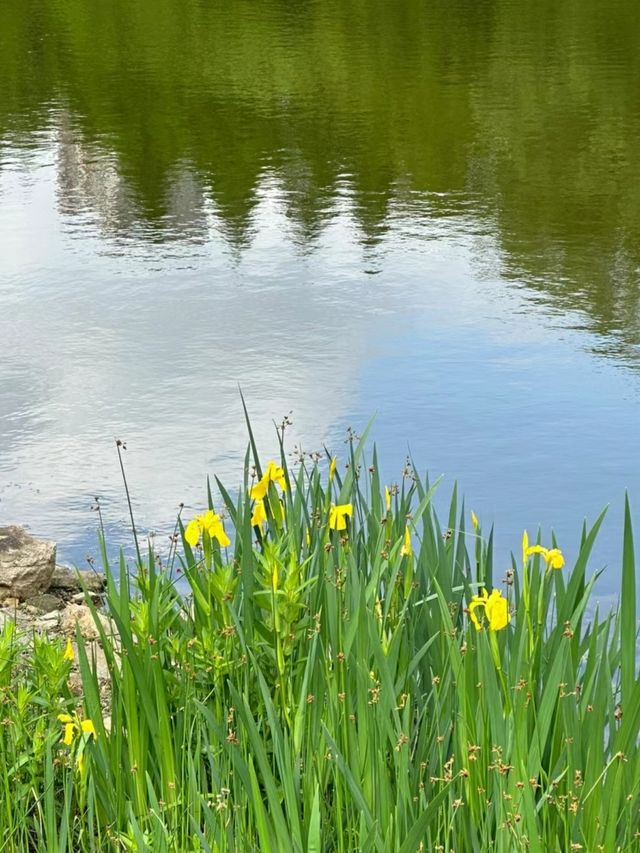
523 116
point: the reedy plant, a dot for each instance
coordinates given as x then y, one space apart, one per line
317 689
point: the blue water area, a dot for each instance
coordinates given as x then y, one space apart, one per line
424 213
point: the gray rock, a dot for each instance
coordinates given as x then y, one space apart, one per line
45 602
48 622
22 621
70 580
80 615
26 563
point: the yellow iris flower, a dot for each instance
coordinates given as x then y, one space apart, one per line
210 523
495 609
259 516
273 474
407 549
332 468
74 727
338 515
474 520
553 557
387 498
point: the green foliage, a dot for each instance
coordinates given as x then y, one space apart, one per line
315 689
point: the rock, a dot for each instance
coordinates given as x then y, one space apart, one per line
80 597
70 580
48 622
98 662
51 616
45 602
10 602
79 614
96 658
17 615
26 563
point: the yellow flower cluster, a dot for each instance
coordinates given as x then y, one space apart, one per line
209 523
495 610
74 727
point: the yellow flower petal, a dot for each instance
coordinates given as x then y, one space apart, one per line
497 611
208 520
259 491
65 718
495 607
68 652
536 549
338 514
332 468
88 728
387 498
555 558
476 601
281 481
259 516
275 474
216 531
192 532
407 549
68 734
525 547
474 520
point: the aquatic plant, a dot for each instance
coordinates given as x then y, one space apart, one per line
319 666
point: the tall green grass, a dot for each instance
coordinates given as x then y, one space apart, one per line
309 689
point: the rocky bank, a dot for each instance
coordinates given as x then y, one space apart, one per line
41 597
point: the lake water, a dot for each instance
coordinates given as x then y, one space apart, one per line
429 211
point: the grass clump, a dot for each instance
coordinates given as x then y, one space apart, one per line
334 670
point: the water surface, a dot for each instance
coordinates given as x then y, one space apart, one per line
424 210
